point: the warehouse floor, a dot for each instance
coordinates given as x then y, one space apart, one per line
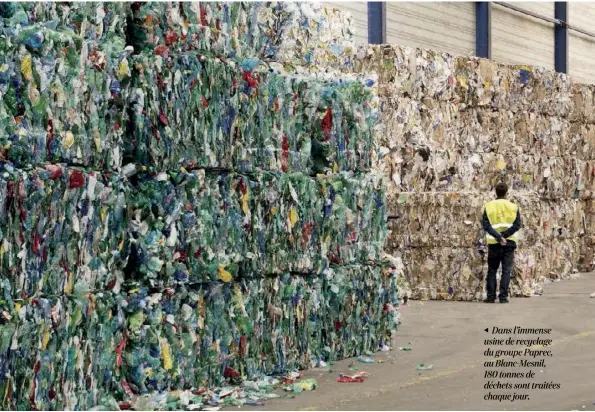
450 336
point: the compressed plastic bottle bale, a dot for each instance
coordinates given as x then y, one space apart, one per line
63 230
187 337
202 112
269 30
66 106
361 304
41 39
89 20
217 27
59 352
304 34
205 334
342 130
286 224
189 227
354 217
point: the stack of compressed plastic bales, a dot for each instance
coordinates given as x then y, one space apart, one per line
184 199
255 224
453 127
64 78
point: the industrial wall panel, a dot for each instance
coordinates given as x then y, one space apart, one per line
581 48
543 8
581 57
359 12
521 39
581 15
445 26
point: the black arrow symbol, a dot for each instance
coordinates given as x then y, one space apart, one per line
486 329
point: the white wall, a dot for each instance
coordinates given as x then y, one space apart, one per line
521 39
581 52
446 26
359 12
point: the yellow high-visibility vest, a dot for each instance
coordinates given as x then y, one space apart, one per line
501 214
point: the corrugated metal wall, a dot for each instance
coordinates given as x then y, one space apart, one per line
521 39
516 37
581 52
359 12
446 26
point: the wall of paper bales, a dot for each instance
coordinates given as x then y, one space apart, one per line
186 198
453 127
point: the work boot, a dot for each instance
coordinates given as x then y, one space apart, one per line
503 300
488 300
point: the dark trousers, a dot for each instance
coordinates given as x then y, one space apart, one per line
499 254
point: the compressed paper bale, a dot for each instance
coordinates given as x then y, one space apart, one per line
444 273
543 135
455 219
548 261
59 352
432 123
481 82
302 34
353 223
586 261
473 82
187 337
90 20
485 131
482 131
63 230
65 107
581 140
426 170
541 90
435 219
584 182
589 221
401 118
443 126
583 99
416 73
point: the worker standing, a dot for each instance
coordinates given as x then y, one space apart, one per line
501 222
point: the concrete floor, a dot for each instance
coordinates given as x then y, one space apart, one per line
450 336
